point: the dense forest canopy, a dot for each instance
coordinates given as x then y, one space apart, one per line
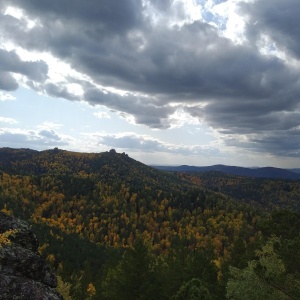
114 228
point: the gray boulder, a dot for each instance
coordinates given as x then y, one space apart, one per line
24 273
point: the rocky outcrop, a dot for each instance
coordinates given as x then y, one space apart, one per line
24 274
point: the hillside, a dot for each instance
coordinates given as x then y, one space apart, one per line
88 193
100 216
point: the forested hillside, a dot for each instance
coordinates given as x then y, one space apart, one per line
114 228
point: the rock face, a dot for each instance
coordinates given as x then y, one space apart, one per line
24 274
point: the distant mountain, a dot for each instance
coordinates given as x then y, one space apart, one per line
266 172
295 170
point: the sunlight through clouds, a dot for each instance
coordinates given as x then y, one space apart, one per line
158 69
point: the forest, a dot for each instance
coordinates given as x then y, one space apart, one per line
114 228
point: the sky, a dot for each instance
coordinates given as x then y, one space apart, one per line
169 82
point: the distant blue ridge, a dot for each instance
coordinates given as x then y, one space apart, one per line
265 172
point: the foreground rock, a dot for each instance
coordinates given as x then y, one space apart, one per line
24 274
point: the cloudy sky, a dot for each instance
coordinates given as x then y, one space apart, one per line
167 81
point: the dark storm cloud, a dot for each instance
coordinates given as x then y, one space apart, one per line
250 118
142 108
280 143
191 62
233 88
279 19
59 91
160 5
10 63
7 82
107 15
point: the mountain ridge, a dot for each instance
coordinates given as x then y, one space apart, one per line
263 172
11 157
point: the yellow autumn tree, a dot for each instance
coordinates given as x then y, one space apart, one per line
91 289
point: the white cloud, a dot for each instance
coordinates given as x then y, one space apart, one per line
134 142
36 139
6 96
229 20
180 118
8 120
102 115
48 125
